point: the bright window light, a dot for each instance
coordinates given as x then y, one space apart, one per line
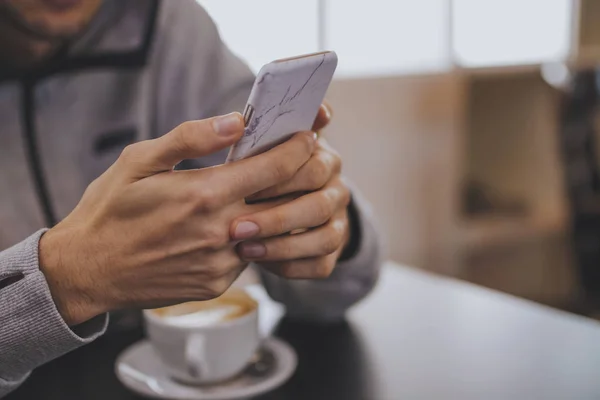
260 31
387 37
510 32
393 37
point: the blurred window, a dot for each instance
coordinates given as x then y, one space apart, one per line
510 32
260 31
389 37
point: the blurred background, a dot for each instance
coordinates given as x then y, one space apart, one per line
469 125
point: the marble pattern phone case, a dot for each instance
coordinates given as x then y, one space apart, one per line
285 99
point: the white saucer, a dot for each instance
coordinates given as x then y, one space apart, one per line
140 369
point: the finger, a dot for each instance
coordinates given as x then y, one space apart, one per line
314 243
309 211
322 166
214 275
236 181
189 140
323 117
222 285
311 268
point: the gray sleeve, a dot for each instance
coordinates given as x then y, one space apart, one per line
200 77
32 332
329 299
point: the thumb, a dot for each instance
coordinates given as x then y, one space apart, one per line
189 140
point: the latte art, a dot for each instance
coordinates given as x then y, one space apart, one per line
209 316
228 307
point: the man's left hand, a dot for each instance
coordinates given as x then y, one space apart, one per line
303 238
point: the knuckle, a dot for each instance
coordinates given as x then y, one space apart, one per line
307 142
213 271
279 222
283 249
337 195
208 294
346 195
206 200
336 161
299 152
183 134
216 269
283 170
130 153
322 208
190 197
184 126
216 239
94 186
333 241
318 174
324 268
218 287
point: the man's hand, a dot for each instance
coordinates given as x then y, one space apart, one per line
320 214
145 235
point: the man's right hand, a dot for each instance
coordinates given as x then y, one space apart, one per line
145 235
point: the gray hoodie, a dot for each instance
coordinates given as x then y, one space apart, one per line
141 68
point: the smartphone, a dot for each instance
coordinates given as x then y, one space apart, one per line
285 99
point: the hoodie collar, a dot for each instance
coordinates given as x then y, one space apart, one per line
119 36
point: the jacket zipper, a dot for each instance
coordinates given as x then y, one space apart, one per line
35 165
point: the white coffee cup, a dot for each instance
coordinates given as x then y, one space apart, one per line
206 342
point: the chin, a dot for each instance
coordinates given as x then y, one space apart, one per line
54 29
52 19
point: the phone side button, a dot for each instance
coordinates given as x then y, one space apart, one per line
248 113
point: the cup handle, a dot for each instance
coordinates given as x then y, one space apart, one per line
195 356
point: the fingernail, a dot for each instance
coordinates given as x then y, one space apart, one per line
315 136
229 124
245 230
327 111
253 250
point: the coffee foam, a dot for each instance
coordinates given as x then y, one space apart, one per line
210 316
206 313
